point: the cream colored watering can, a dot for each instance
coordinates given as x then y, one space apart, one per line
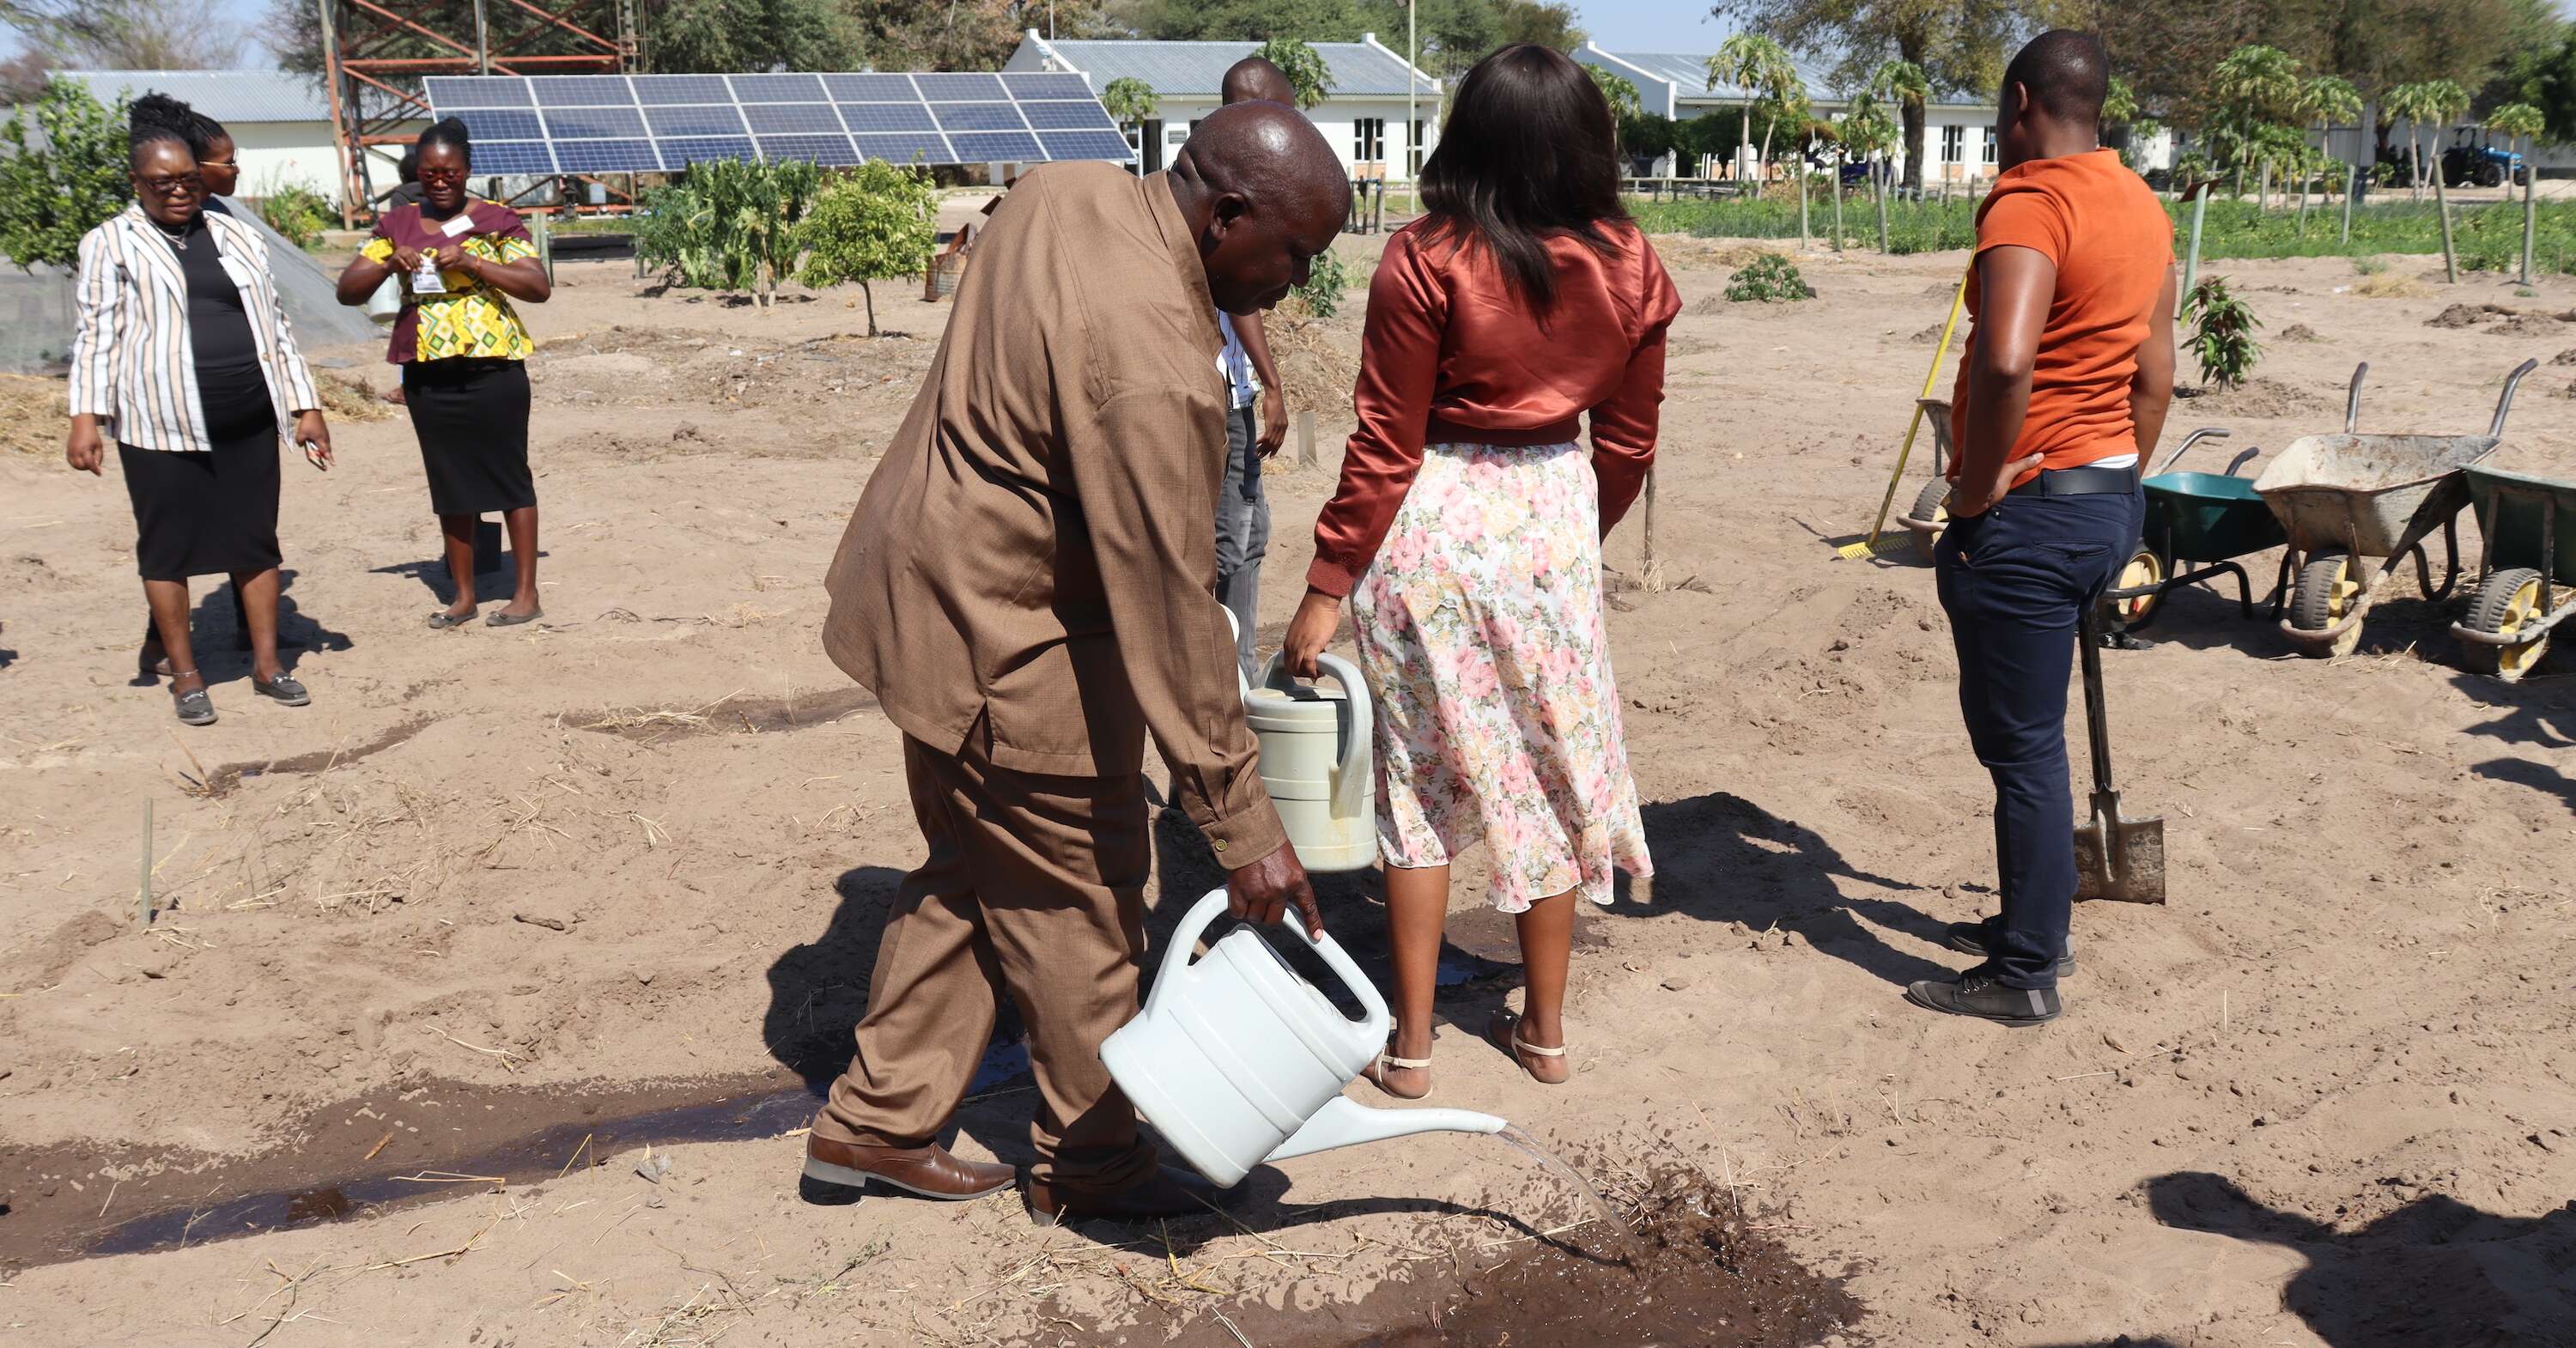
1318 761
1236 1060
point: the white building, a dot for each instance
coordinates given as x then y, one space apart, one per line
1366 114
1958 129
280 122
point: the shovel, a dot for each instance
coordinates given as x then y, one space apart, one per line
2116 857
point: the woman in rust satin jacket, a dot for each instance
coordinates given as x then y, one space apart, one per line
1466 533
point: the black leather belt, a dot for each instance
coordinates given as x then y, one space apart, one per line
2086 480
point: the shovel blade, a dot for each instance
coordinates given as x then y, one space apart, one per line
2117 857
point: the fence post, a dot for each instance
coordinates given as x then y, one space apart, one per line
1306 439
2351 184
2191 259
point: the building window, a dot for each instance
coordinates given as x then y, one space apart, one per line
1954 141
1990 146
1368 140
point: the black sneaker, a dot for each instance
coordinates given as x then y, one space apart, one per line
1976 993
1971 937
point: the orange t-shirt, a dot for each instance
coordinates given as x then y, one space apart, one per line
2113 246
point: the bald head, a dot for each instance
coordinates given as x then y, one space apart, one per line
2064 73
1264 193
1256 79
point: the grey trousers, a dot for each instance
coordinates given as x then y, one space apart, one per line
1242 533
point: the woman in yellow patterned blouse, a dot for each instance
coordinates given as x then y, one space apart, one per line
463 352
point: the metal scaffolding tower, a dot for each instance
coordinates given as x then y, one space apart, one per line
374 53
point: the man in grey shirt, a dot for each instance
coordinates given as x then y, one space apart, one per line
1242 511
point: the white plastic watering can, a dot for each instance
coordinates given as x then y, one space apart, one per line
1236 1060
1318 760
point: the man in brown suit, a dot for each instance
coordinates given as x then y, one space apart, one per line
1026 586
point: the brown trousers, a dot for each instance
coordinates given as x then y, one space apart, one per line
1035 886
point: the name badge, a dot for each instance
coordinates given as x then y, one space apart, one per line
459 225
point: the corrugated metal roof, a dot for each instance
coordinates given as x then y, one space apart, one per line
1688 74
1183 69
228 96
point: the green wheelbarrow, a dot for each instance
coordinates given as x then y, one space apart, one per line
2197 524
2529 524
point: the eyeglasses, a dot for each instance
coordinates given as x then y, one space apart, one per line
171 187
442 175
218 163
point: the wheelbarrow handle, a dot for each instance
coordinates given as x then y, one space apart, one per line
2352 399
2504 403
2204 433
2242 459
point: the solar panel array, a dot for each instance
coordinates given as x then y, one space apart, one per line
545 124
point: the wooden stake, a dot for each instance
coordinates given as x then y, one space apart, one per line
143 891
1306 439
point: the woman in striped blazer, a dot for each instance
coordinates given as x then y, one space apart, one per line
184 355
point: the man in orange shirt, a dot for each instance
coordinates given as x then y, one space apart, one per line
2061 394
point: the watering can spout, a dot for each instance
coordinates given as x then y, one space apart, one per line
1341 1123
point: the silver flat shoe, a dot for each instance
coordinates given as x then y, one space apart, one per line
441 622
502 618
194 708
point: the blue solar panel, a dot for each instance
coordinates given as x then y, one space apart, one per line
652 89
792 119
1083 116
477 91
594 124
607 156
513 156
664 123
778 88
684 150
826 150
695 120
977 117
581 91
500 124
997 147
866 117
1107 145
961 88
1025 87
871 88
921 148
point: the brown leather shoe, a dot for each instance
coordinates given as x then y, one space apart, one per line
930 1172
1169 1193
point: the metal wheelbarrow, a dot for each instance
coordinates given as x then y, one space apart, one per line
2529 527
2196 525
1930 513
2345 498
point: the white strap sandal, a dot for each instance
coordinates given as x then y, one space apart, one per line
1520 1046
1387 1062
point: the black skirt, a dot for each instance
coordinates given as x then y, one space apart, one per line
472 419
212 513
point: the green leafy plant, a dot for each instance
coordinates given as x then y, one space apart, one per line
730 225
1130 99
1618 89
1768 279
2222 333
1328 277
53 193
1304 67
873 223
298 212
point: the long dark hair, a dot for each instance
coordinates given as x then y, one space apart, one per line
1529 153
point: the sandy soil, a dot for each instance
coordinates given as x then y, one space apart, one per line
492 883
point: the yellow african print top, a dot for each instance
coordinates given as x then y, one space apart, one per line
471 319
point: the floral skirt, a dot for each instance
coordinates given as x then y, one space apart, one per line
1481 634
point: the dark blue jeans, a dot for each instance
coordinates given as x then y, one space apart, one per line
2015 582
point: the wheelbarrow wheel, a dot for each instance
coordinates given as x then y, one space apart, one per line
2326 593
2144 568
1932 506
2505 604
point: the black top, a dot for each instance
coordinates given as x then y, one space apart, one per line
218 326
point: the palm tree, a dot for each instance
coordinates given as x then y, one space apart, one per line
2440 101
2413 105
1871 131
2255 84
2525 123
1747 61
1902 82
2329 99
1784 93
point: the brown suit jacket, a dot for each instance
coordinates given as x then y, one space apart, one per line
1034 561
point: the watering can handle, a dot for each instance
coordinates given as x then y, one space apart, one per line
1352 770
1234 627
1376 1021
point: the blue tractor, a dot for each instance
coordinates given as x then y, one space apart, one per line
2474 161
